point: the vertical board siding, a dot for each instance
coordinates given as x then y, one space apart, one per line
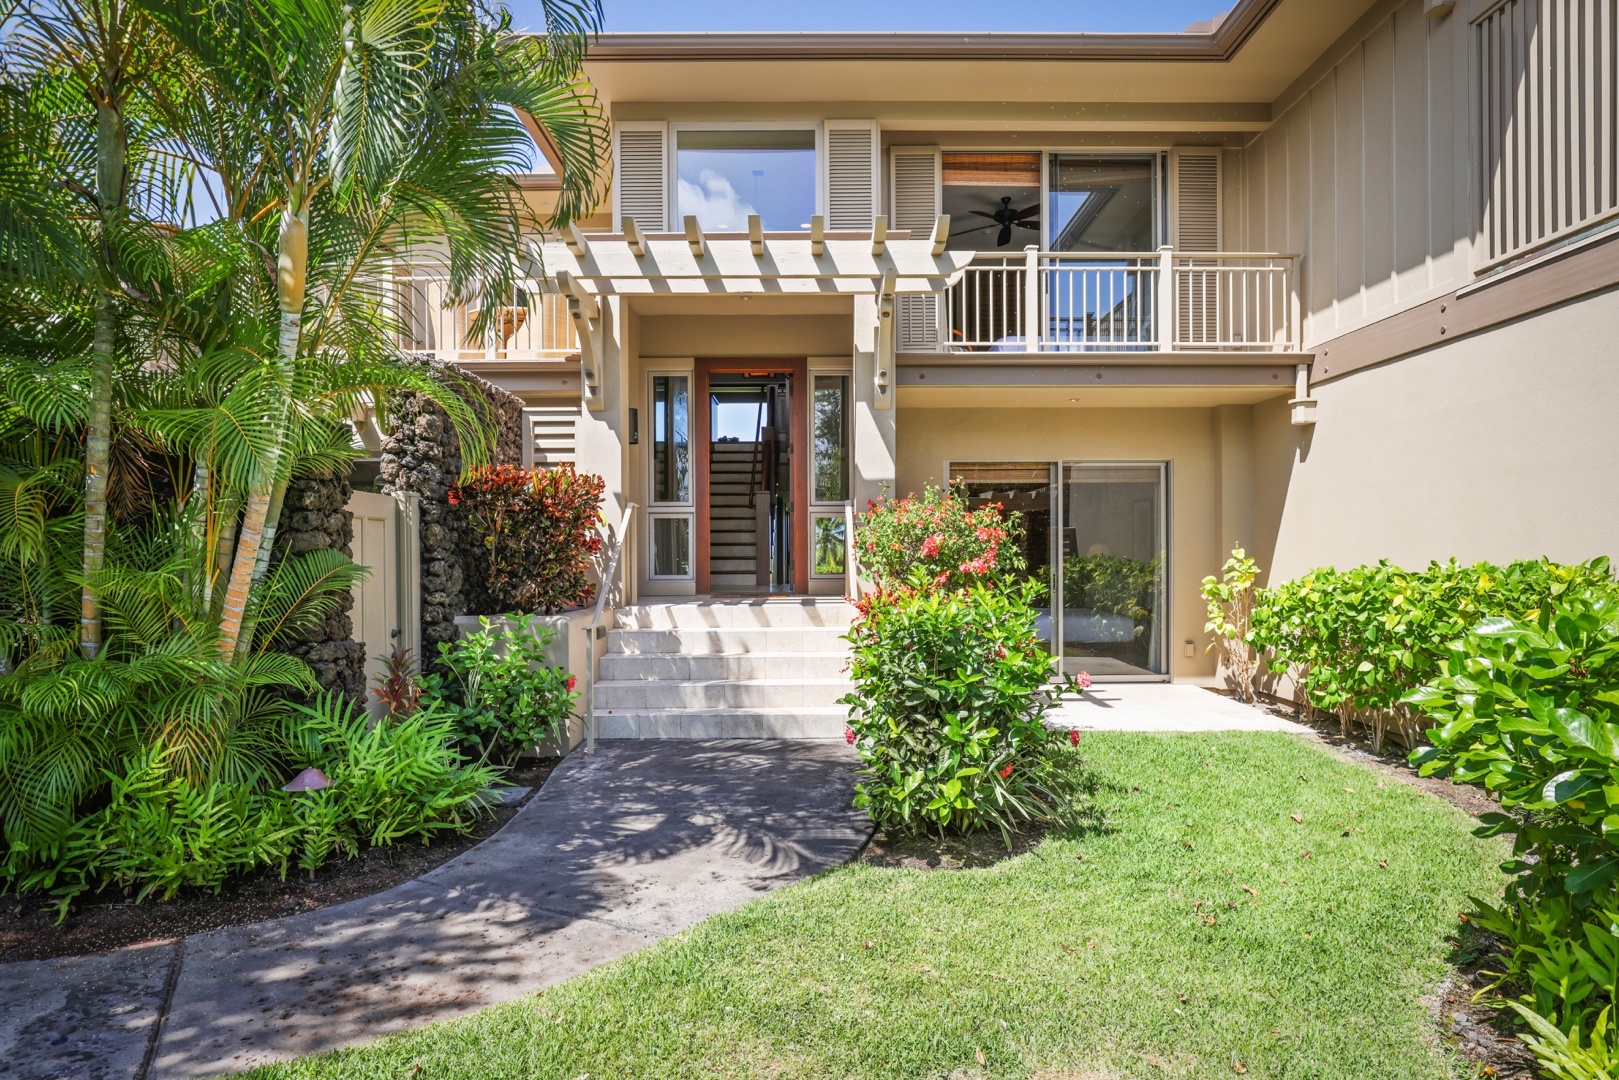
1367 175
1548 97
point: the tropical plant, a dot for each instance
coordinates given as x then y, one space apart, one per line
951 688
540 532
938 535
1357 641
506 698
1230 598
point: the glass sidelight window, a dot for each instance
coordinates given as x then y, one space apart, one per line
831 438
671 439
831 548
671 547
1112 541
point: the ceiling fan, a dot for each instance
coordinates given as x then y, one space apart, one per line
1006 217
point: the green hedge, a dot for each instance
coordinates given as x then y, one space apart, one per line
1357 642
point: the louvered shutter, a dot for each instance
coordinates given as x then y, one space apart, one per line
851 174
641 175
1194 224
1194 177
549 435
914 193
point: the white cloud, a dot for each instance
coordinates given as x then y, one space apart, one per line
715 203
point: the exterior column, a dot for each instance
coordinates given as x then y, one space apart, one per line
873 447
601 437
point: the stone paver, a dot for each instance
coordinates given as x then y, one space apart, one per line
613 853
1164 707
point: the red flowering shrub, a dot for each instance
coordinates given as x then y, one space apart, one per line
951 691
540 533
936 534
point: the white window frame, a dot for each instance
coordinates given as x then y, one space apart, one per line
825 366
816 126
686 509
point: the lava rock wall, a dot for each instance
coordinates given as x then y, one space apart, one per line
314 517
421 453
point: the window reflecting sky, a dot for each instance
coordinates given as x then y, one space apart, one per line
724 176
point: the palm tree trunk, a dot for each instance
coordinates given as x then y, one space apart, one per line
111 153
291 267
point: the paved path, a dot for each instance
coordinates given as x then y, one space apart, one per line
613 853
1164 707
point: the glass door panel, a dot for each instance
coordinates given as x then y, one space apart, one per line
1025 488
1112 542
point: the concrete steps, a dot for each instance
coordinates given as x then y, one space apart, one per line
726 669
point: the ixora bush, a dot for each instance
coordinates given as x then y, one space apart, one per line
937 536
1357 642
1528 707
504 697
951 690
540 532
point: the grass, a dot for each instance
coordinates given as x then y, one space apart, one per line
1183 934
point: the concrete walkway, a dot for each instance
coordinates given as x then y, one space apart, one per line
613 853
1164 707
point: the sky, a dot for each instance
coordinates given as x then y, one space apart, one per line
1113 16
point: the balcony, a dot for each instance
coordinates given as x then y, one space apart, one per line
529 324
1162 302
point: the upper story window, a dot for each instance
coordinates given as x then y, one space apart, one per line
993 200
723 175
1102 203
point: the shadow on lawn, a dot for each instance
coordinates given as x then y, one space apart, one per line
905 850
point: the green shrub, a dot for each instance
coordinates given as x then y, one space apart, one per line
1527 708
504 697
1230 599
947 713
399 778
936 536
1358 641
160 830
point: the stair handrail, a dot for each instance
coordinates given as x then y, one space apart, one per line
755 468
610 569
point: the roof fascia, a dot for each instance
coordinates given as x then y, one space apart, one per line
1221 45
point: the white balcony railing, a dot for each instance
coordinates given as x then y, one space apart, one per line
528 325
1165 301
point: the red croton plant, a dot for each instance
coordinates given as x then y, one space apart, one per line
539 533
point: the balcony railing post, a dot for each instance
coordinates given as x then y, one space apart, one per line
1166 299
1031 298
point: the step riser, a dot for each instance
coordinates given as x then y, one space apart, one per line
734 725
625 668
784 613
697 642
641 696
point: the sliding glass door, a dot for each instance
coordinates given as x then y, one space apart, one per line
1096 533
1113 558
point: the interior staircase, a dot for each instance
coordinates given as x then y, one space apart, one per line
732 541
765 668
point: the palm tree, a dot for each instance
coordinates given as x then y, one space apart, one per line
96 54
371 129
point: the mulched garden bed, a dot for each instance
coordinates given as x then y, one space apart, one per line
99 922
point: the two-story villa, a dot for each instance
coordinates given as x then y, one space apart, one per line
1330 279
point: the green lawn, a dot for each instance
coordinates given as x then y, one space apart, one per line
1086 958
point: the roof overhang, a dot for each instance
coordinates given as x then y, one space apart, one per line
1252 55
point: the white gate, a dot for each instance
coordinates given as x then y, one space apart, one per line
387 604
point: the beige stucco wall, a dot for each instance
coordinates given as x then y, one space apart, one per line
746 335
1500 446
1189 439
